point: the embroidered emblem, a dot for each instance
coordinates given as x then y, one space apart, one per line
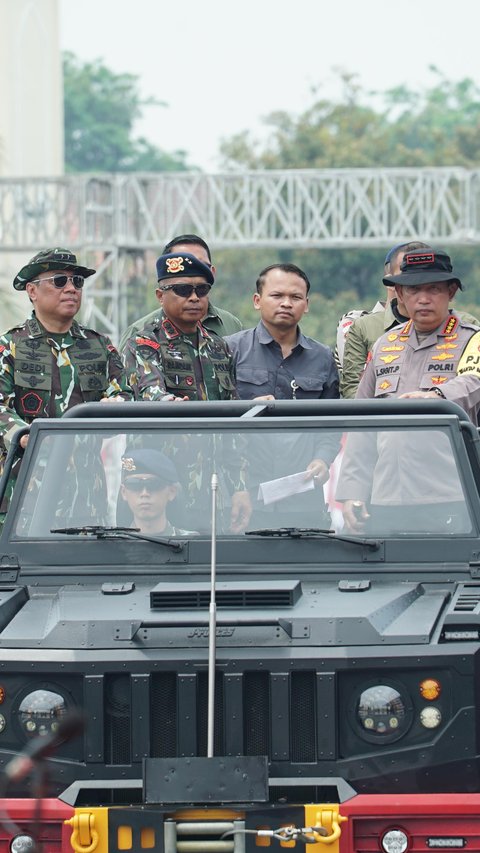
442 356
128 464
389 358
392 337
384 385
175 265
147 342
395 348
470 360
446 346
437 380
31 403
427 258
451 337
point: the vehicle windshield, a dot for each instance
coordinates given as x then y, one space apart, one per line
265 477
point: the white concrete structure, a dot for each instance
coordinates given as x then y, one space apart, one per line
31 117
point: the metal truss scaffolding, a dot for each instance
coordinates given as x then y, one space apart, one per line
112 219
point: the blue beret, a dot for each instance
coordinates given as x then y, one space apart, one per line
149 462
182 265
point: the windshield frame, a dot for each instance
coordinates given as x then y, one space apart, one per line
462 434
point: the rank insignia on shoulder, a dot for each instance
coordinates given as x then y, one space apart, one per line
450 326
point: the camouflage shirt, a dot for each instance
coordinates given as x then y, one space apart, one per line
161 360
43 374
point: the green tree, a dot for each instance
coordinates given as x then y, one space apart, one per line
439 126
100 112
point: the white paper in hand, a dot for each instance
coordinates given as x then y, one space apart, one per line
275 490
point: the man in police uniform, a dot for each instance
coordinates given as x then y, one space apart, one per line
364 331
50 363
434 354
175 357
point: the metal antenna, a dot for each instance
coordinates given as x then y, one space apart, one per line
212 624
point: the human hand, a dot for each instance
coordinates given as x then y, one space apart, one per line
317 470
23 441
116 399
264 397
241 511
355 515
412 395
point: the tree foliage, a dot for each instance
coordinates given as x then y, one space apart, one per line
438 126
101 109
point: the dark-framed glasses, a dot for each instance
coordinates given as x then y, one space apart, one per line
186 290
149 484
61 279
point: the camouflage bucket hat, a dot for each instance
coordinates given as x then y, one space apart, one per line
49 259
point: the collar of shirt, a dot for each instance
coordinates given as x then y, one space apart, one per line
172 331
264 337
37 330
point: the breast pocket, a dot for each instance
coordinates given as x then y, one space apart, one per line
309 387
252 382
385 386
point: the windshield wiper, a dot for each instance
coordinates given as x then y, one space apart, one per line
102 532
306 532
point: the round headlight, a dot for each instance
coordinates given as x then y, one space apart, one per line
382 713
395 841
430 717
40 712
22 844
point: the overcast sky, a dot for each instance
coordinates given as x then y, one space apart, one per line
220 65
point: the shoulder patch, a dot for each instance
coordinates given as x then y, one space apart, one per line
470 359
147 342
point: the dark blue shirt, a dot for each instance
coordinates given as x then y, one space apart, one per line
262 369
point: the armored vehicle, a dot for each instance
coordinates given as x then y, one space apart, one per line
226 626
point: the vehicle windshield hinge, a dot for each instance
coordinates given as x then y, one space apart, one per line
9 568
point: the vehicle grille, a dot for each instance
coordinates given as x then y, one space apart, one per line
256 713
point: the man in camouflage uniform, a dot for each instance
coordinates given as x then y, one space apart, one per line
175 357
50 363
215 319
434 354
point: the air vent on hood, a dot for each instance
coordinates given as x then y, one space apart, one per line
467 600
243 594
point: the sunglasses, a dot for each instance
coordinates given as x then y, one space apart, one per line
60 280
152 484
186 290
